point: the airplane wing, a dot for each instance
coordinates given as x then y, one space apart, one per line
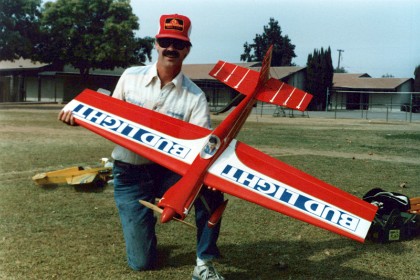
274 91
86 178
241 171
55 177
251 175
165 140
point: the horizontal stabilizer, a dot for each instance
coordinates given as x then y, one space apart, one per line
282 94
273 91
237 77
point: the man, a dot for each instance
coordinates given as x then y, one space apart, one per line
161 87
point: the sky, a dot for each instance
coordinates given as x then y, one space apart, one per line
379 37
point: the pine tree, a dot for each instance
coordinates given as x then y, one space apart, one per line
417 79
320 72
283 49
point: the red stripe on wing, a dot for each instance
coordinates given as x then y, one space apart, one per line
282 94
237 77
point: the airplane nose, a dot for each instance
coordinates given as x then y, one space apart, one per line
167 215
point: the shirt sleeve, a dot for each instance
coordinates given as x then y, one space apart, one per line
200 114
119 88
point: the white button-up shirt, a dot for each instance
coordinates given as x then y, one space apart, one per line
181 99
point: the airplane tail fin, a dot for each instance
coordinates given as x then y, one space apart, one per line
269 90
265 68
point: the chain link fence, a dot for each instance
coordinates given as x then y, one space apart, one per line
380 106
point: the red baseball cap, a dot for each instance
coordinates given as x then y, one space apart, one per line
174 26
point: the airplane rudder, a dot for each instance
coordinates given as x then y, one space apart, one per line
265 67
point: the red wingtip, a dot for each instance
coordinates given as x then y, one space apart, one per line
217 215
167 214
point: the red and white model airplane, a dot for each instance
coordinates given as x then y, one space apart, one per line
214 158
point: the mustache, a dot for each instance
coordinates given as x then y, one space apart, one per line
171 53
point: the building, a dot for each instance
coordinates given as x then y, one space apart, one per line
41 83
62 86
360 91
18 77
23 80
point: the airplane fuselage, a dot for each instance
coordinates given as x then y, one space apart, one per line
173 202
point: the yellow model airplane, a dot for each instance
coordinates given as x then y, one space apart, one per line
75 176
415 205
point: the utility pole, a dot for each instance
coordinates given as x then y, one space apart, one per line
339 58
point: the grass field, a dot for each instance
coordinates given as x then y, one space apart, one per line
66 233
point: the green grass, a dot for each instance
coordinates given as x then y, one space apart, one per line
66 233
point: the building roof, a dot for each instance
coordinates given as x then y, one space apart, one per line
198 71
201 71
20 64
284 71
364 81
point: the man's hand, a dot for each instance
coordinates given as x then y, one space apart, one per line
66 117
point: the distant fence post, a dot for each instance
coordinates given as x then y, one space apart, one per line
411 107
326 102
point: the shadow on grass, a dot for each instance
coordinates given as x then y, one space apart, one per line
96 187
297 260
304 260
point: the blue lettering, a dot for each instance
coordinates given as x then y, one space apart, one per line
290 197
96 117
164 145
130 131
82 110
110 123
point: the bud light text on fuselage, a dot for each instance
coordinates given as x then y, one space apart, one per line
130 130
290 197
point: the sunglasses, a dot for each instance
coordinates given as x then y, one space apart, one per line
177 44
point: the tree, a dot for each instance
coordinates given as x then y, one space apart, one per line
283 49
91 34
19 25
320 72
417 79
340 70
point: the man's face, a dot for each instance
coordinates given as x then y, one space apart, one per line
172 51
212 146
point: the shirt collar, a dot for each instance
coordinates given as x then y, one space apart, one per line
177 81
152 74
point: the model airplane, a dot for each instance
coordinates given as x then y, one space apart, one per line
216 159
415 205
75 176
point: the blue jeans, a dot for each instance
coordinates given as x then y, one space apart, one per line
146 182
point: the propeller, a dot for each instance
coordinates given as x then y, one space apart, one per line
160 211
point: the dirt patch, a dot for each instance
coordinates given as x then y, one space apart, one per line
27 129
327 123
278 152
